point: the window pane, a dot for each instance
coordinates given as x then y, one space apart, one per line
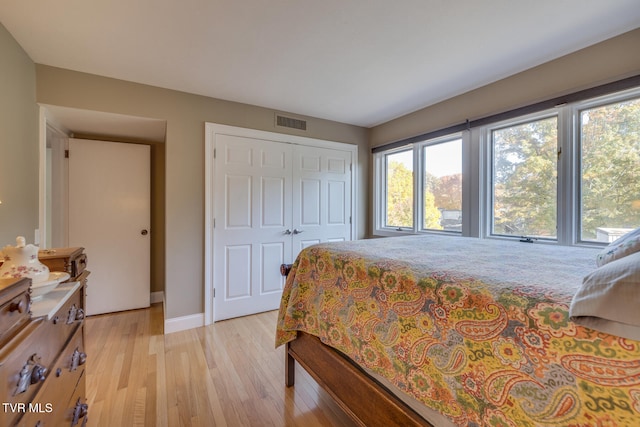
443 186
525 179
399 173
610 172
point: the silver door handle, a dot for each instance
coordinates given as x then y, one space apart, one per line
296 231
287 231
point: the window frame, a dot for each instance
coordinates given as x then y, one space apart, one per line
421 180
380 193
477 172
575 110
380 179
487 179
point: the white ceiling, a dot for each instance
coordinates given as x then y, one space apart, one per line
105 125
361 62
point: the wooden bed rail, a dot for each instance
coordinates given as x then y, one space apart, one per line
364 399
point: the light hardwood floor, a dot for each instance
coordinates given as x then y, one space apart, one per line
227 374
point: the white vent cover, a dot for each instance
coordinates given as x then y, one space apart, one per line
290 122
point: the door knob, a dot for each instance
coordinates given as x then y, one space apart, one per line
296 231
144 232
287 231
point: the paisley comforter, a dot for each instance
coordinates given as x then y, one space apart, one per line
475 329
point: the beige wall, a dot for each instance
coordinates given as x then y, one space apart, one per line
185 115
18 143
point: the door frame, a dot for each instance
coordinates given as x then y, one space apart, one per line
213 129
49 126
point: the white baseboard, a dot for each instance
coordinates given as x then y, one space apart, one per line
157 297
177 324
183 323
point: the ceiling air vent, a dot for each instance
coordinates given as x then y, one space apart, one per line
288 122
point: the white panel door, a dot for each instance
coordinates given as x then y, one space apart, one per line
321 196
252 217
272 199
109 215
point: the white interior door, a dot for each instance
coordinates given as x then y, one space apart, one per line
109 215
321 196
269 196
252 214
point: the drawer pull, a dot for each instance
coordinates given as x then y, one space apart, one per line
75 313
77 358
38 374
72 314
18 306
80 411
24 380
31 373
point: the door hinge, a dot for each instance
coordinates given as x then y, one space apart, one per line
214 223
214 153
350 220
66 154
214 292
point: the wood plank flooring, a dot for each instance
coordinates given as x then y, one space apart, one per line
227 374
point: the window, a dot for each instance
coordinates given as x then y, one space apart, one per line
567 175
610 170
524 184
426 199
442 189
399 189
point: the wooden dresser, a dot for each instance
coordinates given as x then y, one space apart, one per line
42 358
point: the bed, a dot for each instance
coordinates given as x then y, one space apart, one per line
441 330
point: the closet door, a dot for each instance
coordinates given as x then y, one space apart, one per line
252 217
321 196
272 199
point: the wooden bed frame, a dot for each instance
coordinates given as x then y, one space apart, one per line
363 398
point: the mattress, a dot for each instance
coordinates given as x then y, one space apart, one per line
477 330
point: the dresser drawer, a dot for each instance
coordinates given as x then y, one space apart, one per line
76 411
71 260
66 320
14 312
52 405
22 361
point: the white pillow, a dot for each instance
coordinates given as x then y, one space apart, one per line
609 299
621 247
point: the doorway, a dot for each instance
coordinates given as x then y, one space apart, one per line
109 215
88 124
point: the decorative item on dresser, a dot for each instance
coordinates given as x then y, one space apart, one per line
42 347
